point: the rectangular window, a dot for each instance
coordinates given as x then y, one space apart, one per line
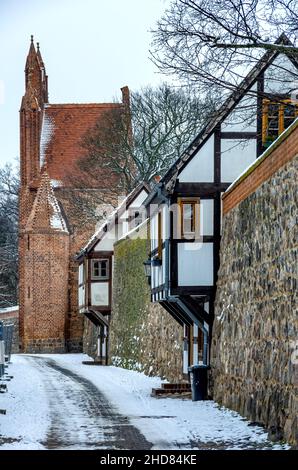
189 218
159 235
277 116
99 269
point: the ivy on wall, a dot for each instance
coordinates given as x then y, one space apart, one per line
131 299
143 336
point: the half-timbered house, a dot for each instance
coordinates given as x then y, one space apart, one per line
96 264
185 206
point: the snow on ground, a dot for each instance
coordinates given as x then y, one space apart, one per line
169 423
186 420
27 415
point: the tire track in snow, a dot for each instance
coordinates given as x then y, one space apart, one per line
81 415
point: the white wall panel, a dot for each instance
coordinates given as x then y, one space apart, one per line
100 293
81 296
243 118
235 157
201 167
81 273
206 216
195 264
279 76
106 244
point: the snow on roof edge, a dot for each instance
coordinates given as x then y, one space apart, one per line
111 217
130 232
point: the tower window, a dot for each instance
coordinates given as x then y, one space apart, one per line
277 116
99 269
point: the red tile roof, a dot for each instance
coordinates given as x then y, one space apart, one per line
64 126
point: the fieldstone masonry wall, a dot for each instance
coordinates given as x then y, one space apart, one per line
255 370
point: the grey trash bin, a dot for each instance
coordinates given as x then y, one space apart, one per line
199 382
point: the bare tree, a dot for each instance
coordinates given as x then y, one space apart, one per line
213 44
9 188
163 121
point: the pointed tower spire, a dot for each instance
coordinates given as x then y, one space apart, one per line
44 75
35 73
46 214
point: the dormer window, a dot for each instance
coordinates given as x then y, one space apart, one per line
277 116
99 269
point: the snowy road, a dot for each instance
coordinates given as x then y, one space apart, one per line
56 402
81 416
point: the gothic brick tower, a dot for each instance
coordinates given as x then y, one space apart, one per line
50 146
46 265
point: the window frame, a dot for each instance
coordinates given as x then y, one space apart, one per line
99 278
159 234
195 202
280 117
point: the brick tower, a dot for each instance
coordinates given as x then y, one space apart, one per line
50 147
46 265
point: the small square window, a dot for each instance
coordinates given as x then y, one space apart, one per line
99 269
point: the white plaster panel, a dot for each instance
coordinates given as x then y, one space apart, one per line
243 118
279 76
236 156
201 166
206 216
106 243
100 293
81 296
195 264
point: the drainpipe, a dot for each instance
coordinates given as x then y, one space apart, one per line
195 345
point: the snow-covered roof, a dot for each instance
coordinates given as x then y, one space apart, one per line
46 213
133 231
111 219
47 132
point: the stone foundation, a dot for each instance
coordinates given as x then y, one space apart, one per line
45 346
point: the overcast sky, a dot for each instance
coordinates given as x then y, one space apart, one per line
91 48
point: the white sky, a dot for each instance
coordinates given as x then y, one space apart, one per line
91 48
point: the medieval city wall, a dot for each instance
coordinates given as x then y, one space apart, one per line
255 366
143 336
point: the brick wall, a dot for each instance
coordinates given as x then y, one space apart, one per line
46 292
254 364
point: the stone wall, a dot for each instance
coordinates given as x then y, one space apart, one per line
8 316
255 370
90 338
143 336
